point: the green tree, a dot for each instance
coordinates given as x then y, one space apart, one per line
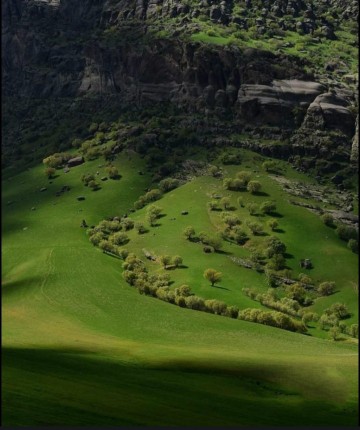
213 276
340 310
296 292
165 260
276 262
345 232
183 291
195 302
232 220
240 236
272 224
326 288
354 330
268 207
50 172
328 220
168 184
225 201
334 333
93 185
253 187
140 227
213 205
112 172
189 232
243 176
270 166
177 260
240 202
353 245
255 227
119 238
253 208
274 246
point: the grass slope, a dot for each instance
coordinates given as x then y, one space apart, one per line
80 347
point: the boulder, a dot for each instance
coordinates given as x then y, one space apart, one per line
76 161
331 111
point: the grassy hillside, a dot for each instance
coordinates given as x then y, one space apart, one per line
81 347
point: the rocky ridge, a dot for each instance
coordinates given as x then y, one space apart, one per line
57 49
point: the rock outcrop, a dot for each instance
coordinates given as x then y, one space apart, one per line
354 157
274 104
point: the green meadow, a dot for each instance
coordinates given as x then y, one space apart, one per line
82 347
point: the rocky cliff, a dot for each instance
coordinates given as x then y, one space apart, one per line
96 49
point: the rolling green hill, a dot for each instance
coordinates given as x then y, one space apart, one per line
81 347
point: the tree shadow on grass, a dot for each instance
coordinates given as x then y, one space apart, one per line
276 215
220 251
279 230
288 256
221 288
261 193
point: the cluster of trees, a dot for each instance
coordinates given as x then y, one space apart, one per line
239 183
232 230
168 184
231 158
344 232
150 196
153 213
270 300
167 261
223 203
272 318
157 285
88 179
113 172
109 235
271 166
57 160
214 242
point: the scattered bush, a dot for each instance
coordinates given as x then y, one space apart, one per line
275 319
328 220
272 224
346 232
253 187
49 172
326 288
253 208
340 311
168 184
189 232
268 207
255 227
353 245
112 172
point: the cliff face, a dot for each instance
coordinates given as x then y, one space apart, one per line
97 48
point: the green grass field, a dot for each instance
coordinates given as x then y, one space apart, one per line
81 347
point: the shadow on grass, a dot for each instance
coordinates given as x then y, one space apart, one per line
288 256
221 252
11 287
279 230
38 387
276 215
221 288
